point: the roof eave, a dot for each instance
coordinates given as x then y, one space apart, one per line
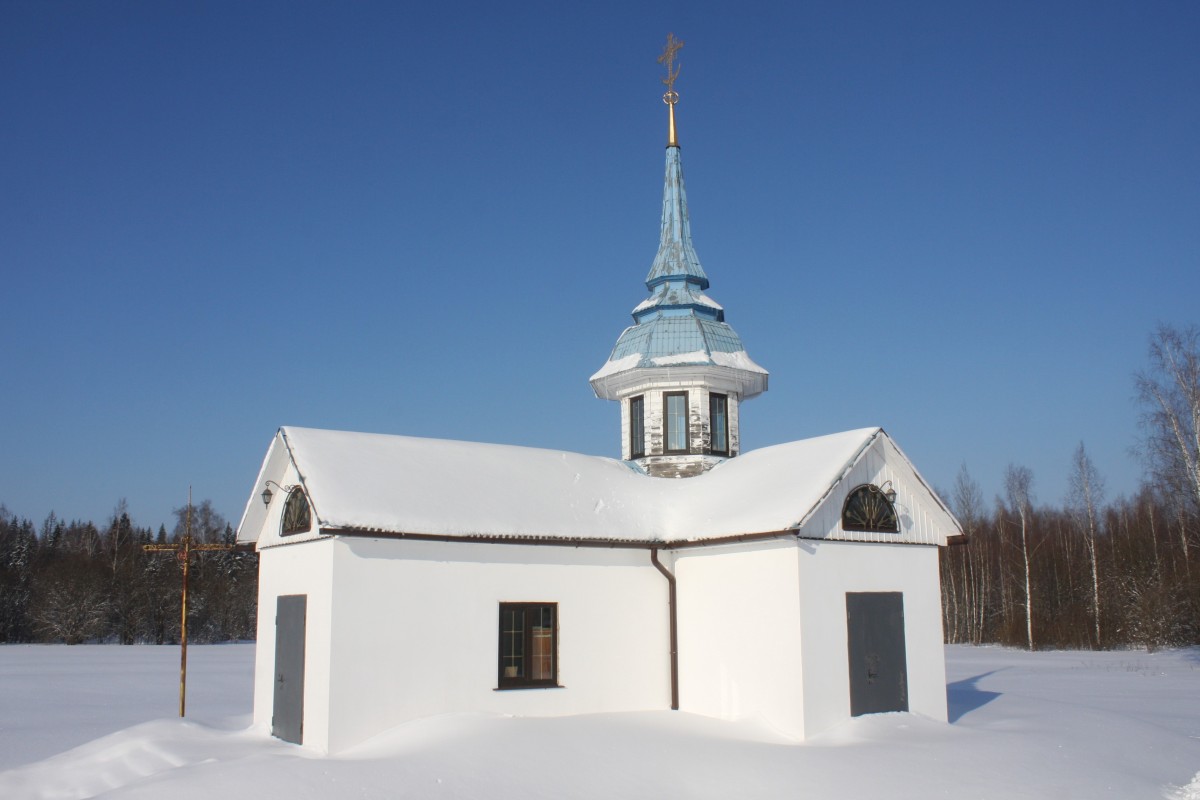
745 383
563 541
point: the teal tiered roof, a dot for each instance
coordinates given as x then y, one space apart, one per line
678 325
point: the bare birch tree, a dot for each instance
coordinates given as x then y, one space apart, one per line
1086 492
1170 393
967 501
1018 485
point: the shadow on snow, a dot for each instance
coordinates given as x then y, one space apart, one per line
963 697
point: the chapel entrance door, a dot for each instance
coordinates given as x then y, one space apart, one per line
287 719
878 664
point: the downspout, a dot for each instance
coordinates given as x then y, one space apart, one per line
674 627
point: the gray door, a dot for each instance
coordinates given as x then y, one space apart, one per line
878 665
287 720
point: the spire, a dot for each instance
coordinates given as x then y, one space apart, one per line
671 97
676 258
679 344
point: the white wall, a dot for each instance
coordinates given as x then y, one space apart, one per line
763 629
415 631
412 630
830 569
740 634
296 569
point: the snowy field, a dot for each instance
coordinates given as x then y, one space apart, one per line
94 721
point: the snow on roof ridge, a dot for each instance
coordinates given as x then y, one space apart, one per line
448 487
464 442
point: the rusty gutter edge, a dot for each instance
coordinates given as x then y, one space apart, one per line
611 544
671 610
547 541
733 539
556 541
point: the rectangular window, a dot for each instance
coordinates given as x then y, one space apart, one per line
637 428
675 412
528 645
718 423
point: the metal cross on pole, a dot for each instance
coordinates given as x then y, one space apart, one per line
671 97
183 550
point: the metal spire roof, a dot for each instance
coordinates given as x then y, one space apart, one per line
678 325
676 258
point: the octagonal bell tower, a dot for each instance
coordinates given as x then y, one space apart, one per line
680 372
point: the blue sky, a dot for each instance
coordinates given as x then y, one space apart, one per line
959 221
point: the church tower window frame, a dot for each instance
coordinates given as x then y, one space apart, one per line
637 427
676 423
718 411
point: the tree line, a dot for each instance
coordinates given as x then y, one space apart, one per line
78 582
1088 573
1080 575
1091 572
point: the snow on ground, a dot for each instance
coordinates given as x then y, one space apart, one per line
53 697
95 721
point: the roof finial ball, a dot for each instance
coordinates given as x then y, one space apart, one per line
671 97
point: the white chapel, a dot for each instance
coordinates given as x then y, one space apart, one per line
403 577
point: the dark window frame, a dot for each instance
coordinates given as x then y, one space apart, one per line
637 427
687 433
295 520
528 648
867 510
724 400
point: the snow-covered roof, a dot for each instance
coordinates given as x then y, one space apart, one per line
696 338
410 485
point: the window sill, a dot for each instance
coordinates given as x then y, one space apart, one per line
526 688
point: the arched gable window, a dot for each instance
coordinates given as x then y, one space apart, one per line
868 509
296 516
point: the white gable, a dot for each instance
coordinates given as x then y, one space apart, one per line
923 518
409 485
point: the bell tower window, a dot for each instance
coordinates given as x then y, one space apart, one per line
637 427
675 415
718 424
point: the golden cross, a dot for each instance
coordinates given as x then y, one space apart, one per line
183 550
668 58
671 97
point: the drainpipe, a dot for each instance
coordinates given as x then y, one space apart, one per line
674 627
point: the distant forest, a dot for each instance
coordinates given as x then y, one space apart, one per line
1092 573
78 582
1086 575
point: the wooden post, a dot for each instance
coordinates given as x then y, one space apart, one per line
183 551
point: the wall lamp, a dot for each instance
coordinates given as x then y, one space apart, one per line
889 491
267 494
